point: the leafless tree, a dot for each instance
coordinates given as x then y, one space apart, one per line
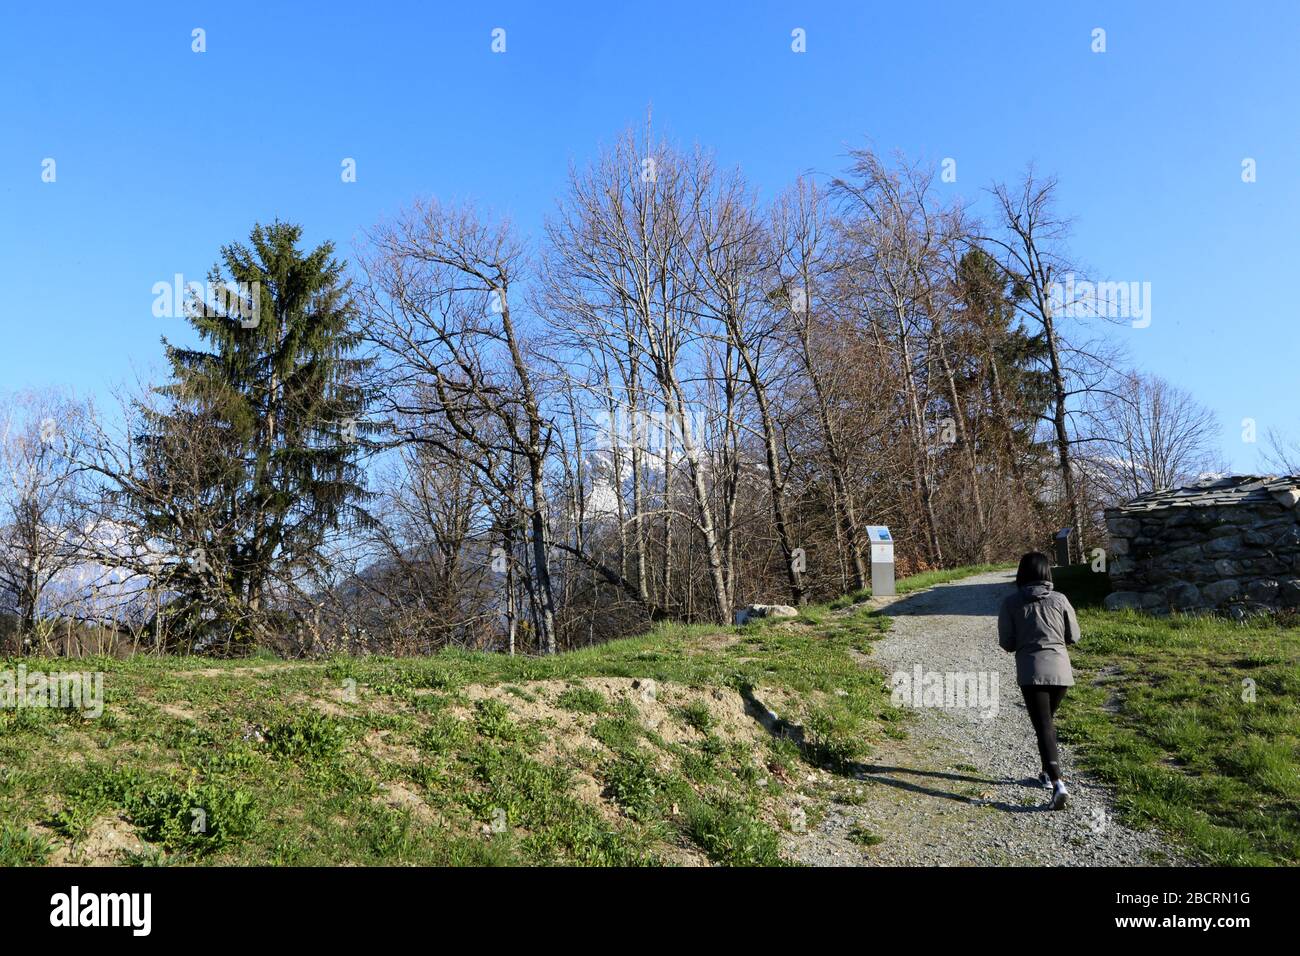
1283 455
893 247
440 309
1030 238
622 271
41 527
806 265
1158 437
164 531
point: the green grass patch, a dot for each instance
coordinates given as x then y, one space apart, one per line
1195 721
20 847
732 835
583 700
381 761
697 716
863 836
306 736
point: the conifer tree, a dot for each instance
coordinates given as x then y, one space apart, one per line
258 440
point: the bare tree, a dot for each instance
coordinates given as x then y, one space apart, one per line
41 526
1031 242
621 269
431 582
730 252
164 525
440 309
804 262
1158 437
892 249
1283 455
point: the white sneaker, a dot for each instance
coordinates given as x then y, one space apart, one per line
1060 796
1044 780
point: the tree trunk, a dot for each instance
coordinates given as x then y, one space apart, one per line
964 440
717 572
1059 423
775 479
921 465
846 519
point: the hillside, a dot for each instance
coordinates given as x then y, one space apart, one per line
772 743
644 750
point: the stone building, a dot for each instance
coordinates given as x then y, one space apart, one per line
1231 545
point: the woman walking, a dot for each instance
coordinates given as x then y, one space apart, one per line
1037 624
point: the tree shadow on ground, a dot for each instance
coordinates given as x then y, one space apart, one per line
978 600
885 774
895 776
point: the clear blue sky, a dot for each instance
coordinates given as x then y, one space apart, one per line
164 154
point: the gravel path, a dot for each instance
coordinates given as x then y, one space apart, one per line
959 790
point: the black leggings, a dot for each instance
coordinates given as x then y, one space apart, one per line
1041 700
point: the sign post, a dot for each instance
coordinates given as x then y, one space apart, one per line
1063 547
882 561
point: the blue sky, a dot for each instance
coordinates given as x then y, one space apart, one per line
163 154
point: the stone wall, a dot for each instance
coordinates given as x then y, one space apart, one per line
1231 546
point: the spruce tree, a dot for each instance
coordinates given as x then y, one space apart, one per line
1008 359
269 404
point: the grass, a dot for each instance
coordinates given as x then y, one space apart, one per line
307 736
380 761
864 837
583 700
1195 721
697 715
453 759
18 847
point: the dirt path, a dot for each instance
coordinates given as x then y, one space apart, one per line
959 790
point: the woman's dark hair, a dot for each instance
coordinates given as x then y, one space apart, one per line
1034 567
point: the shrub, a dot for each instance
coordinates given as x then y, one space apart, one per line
730 834
199 819
632 782
307 736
